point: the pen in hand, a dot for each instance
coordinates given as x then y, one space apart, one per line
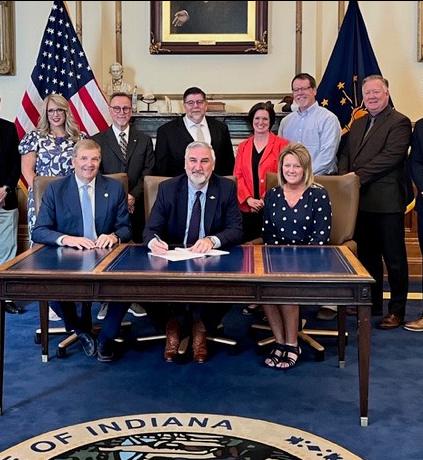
158 238
161 246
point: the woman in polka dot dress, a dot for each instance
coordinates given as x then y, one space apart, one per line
297 212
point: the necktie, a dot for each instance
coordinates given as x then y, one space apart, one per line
200 135
371 123
123 144
194 223
87 214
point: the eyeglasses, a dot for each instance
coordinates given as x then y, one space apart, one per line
117 109
193 103
298 90
374 92
55 111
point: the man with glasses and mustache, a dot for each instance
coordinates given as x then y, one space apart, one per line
128 150
319 130
174 136
198 209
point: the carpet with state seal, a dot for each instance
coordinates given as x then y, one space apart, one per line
177 436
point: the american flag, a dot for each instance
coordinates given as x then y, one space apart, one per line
62 67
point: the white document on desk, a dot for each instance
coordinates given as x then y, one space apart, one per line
178 254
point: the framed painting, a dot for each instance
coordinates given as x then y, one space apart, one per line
7 38
214 27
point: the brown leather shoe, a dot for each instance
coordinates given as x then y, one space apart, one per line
390 321
415 326
199 342
172 340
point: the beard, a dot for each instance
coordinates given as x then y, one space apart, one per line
197 179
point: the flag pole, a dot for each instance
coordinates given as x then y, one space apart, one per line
118 31
298 36
78 20
341 13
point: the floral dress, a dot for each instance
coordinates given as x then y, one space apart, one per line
53 158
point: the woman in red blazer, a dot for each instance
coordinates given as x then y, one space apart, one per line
254 158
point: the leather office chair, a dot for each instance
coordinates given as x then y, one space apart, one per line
40 185
151 186
344 195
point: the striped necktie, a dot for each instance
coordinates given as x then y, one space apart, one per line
123 143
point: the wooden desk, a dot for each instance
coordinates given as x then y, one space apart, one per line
307 275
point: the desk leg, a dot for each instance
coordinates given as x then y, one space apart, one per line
2 320
363 319
44 330
341 335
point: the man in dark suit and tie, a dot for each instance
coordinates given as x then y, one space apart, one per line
10 171
86 211
128 150
174 136
376 150
198 209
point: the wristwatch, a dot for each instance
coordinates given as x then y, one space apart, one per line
118 239
213 239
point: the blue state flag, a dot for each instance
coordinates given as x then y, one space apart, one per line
351 61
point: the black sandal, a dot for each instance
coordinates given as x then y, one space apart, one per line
275 357
289 349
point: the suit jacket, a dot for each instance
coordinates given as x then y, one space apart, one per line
222 217
244 172
139 162
173 138
379 160
10 161
60 211
416 162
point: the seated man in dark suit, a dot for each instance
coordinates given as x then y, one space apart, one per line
86 211
174 136
198 209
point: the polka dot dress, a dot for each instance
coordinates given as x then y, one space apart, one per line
308 222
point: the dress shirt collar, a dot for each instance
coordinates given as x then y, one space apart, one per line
80 184
189 123
118 131
308 111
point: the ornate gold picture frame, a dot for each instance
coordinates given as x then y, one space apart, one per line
7 38
214 27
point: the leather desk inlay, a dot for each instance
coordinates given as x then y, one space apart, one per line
137 259
62 259
305 259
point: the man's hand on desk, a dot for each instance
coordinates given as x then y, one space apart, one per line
78 242
202 245
106 241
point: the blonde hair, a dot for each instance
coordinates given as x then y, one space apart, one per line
303 156
71 128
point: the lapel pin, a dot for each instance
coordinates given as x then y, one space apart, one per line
106 195
212 197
